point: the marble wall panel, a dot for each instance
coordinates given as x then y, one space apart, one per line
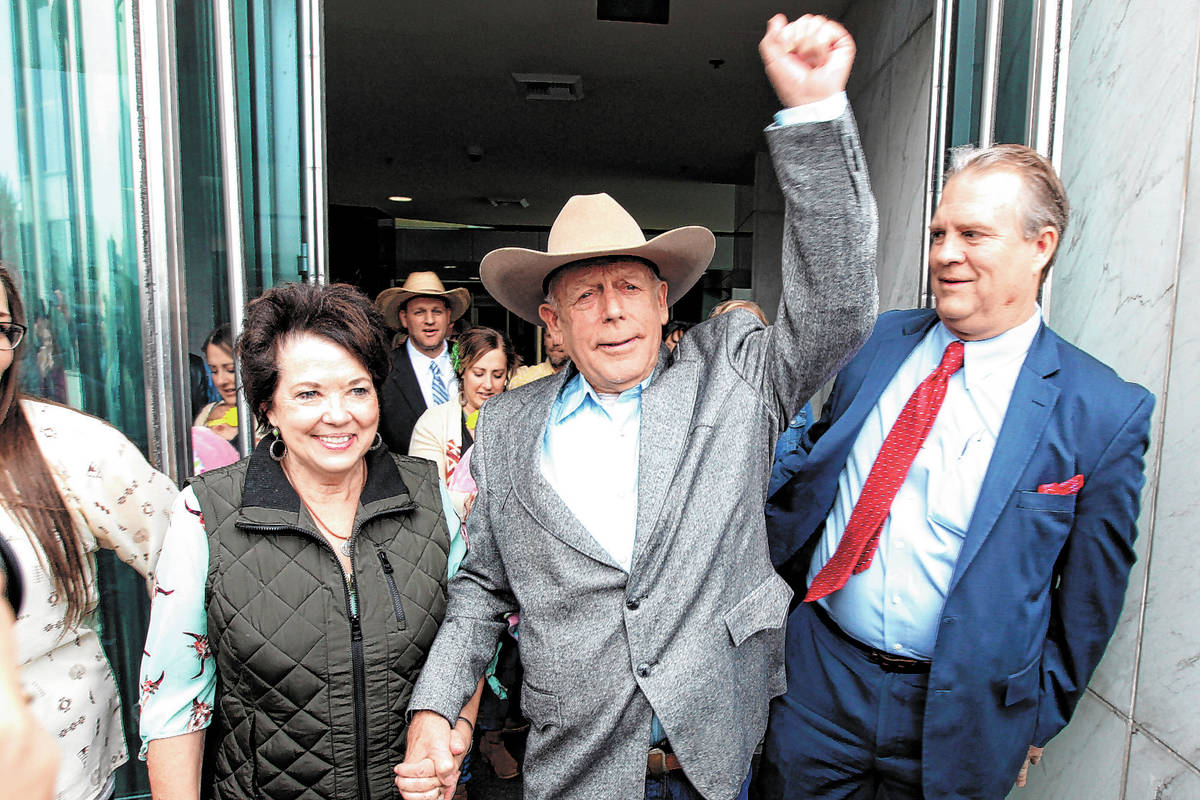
881 27
1169 677
1113 291
892 112
1155 773
1096 737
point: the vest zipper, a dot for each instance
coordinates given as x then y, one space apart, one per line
356 646
360 687
391 582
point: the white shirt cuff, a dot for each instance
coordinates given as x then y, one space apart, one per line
825 110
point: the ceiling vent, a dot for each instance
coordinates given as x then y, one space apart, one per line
507 202
656 12
540 86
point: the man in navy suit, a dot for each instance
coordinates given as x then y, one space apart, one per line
960 522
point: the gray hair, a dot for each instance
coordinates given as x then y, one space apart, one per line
1044 201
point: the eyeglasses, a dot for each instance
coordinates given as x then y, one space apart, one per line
11 334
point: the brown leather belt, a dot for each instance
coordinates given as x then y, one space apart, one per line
660 762
885 661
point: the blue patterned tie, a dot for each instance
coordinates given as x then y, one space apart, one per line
440 395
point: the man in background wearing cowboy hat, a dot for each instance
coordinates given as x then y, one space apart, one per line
620 501
421 376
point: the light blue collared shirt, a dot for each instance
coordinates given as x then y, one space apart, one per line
590 457
896 603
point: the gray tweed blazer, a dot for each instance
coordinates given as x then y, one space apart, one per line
695 631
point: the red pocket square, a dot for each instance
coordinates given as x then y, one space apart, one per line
1071 486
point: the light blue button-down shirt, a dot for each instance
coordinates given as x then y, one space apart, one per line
896 604
590 457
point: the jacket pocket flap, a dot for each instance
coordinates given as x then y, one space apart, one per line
540 708
765 607
1040 501
1023 685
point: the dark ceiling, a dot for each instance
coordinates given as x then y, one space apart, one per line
411 85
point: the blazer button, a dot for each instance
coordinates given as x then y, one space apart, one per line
632 604
643 670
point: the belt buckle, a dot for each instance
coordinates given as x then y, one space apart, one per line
894 663
656 763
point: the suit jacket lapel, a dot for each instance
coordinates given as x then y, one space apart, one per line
409 386
662 436
523 446
890 354
1033 399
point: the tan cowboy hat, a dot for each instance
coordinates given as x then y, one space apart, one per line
420 284
590 226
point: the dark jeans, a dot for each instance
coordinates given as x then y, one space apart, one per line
676 786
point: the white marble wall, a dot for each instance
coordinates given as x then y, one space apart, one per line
889 91
1127 289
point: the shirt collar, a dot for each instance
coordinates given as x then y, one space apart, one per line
576 392
983 357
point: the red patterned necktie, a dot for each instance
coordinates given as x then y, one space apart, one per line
857 548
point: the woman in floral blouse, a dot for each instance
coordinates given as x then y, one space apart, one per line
59 502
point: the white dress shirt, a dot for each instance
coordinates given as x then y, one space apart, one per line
896 603
421 363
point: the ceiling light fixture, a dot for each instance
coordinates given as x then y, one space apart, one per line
399 198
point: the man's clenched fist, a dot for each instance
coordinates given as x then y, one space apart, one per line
806 60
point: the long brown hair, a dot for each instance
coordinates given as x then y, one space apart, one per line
27 488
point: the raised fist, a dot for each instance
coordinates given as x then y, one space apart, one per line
806 60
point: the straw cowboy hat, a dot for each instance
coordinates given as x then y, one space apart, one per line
420 284
590 226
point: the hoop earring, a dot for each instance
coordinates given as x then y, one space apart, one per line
378 443
277 454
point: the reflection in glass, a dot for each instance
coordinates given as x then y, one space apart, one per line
68 228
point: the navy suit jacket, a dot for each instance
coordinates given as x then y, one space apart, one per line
401 403
1040 579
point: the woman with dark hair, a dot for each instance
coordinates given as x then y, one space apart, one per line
483 360
300 588
220 416
59 502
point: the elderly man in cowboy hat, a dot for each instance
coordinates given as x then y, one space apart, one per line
421 374
620 501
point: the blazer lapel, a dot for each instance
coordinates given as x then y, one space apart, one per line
663 433
523 446
409 387
1033 399
890 354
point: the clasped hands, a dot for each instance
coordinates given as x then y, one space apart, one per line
433 758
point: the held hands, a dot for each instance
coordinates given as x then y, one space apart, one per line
806 60
1034 756
435 753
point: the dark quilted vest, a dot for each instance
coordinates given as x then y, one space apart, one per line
279 624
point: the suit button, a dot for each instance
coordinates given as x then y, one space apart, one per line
643 670
632 604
